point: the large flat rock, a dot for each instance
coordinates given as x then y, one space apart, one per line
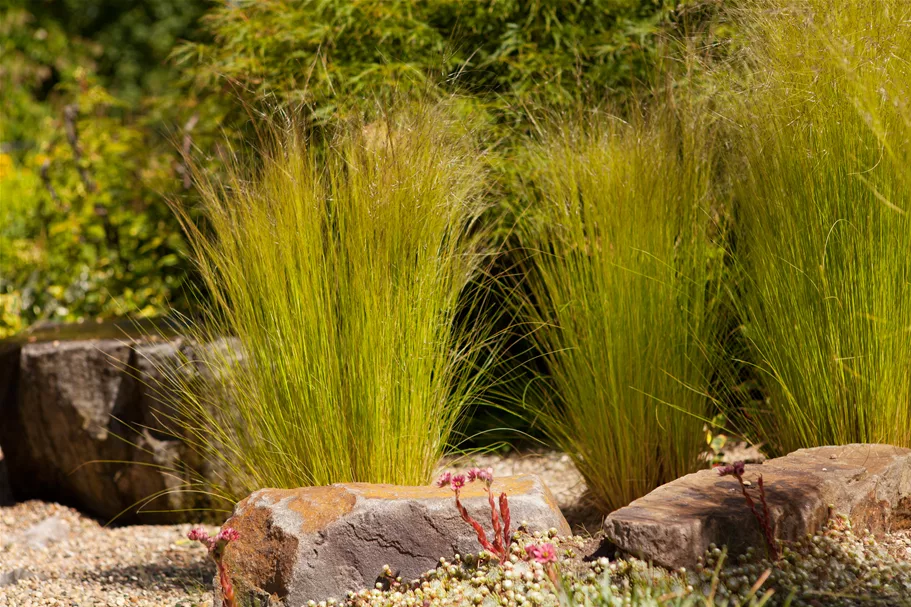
320 542
674 524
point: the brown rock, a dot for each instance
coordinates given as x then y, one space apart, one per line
72 404
674 524
320 542
80 426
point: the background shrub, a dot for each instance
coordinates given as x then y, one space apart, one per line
330 55
89 234
88 162
326 56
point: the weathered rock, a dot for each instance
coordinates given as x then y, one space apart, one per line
16 457
154 363
674 524
72 401
79 427
320 542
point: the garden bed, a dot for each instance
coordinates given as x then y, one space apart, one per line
53 555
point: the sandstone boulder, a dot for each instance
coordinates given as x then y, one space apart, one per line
674 524
320 542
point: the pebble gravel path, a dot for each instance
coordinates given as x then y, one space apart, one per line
53 555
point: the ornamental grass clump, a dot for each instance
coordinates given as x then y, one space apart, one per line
620 281
823 221
337 268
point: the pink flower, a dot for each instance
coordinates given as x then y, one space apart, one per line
228 534
444 479
543 553
457 482
735 469
481 474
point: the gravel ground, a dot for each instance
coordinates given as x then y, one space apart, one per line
60 557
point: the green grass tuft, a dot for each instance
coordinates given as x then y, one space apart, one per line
823 221
618 299
338 268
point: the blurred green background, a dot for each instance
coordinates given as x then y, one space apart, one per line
101 99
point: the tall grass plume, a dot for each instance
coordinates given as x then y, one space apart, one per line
335 269
823 220
620 286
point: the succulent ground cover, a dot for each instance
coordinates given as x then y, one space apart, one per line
835 567
89 564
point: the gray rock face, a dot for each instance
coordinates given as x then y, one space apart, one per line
674 524
81 425
320 542
72 399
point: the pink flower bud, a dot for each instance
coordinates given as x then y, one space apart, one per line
735 469
481 474
444 479
200 535
228 534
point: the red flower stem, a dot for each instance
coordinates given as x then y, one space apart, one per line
504 511
763 522
227 589
497 528
482 537
767 526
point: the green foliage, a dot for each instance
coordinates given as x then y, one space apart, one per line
823 219
619 299
131 41
85 231
34 56
338 268
89 233
330 55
